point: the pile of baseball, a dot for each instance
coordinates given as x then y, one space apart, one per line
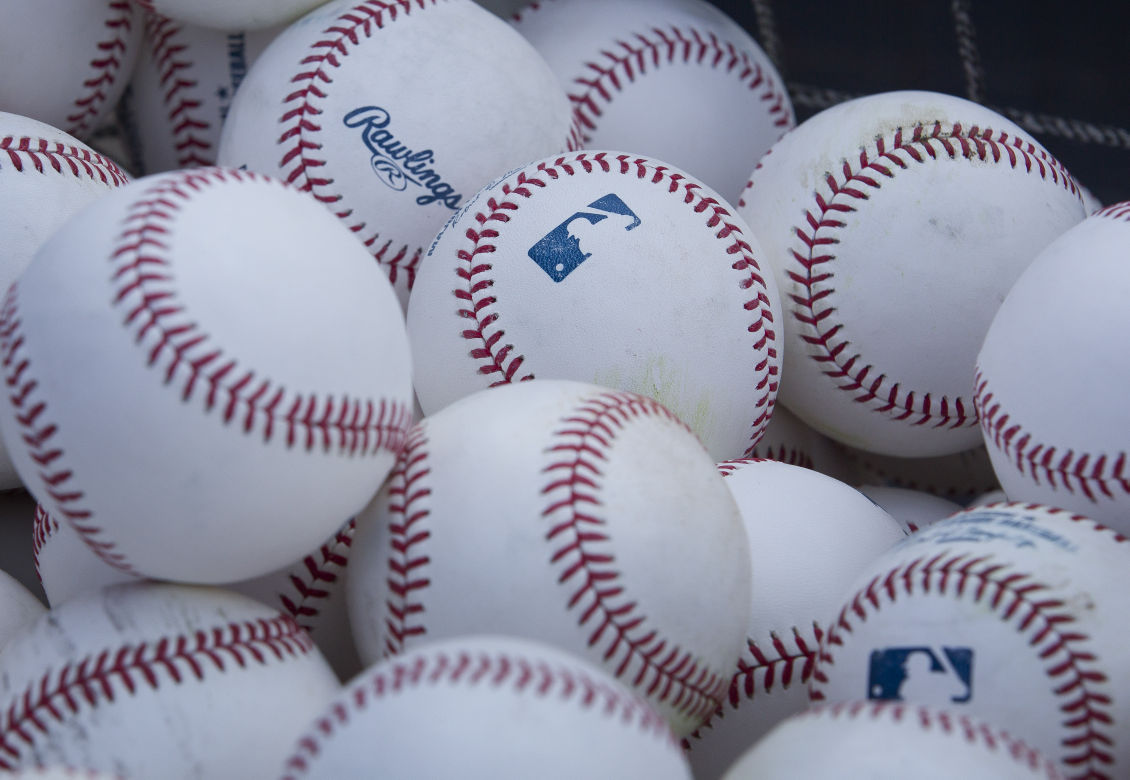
400 389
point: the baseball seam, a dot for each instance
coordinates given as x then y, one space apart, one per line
100 678
1118 211
188 127
1094 475
407 531
478 304
814 258
301 122
42 154
970 730
631 56
498 672
1045 622
43 528
312 580
106 66
616 623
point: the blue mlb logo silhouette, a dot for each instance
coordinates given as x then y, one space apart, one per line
926 675
561 250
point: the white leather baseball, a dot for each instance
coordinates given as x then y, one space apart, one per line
577 515
310 590
676 80
160 680
487 706
392 114
957 477
890 741
1014 613
192 360
895 224
788 439
607 268
67 63
182 88
1049 390
809 537
46 176
226 15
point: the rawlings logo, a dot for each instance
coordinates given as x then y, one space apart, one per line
395 164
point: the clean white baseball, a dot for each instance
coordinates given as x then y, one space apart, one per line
585 517
46 176
393 113
487 706
809 537
67 63
228 15
208 375
1049 389
160 680
182 88
788 439
895 224
890 741
1014 613
607 268
310 590
657 77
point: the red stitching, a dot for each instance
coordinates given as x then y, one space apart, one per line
972 731
42 155
189 127
107 64
579 537
301 118
1093 475
1048 626
406 562
315 574
101 678
498 670
43 528
630 57
36 432
1120 211
476 298
816 253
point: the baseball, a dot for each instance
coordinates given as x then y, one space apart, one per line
157 680
1049 390
913 509
182 89
1013 613
895 224
655 77
46 177
510 708
597 267
204 312
809 537
226 15
958 477
890 740
67 63
577 515
393 114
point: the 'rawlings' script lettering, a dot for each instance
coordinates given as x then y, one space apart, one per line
395 164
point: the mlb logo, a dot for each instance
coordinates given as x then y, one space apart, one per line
926 675
561 250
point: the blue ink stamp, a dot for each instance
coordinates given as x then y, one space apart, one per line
927 675
395 164
561 250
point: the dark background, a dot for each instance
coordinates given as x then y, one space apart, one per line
1059 70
